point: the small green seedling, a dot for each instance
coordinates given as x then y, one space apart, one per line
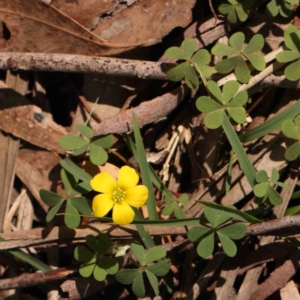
264 190
282 7
193 63
93 259
292 56
236 56
228 101
96 145
75 206
152 263
172 206
236 9
206 235
291 129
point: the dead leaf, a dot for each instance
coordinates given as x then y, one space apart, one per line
131 22
27 121
33 26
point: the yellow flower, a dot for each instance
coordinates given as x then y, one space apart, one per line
119 195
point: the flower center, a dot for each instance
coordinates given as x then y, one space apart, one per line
118 195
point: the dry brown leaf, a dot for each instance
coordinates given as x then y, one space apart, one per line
34 26
131 22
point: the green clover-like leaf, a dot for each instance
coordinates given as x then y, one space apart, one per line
85 130
283 7
83 254
235 231
139 252
185 52
215 217
154 253
292 42
206 246
70 142
186 70
227 244
237 9
291 129
72 217
221 102
127 276
263 190
153 281
160 268
236 60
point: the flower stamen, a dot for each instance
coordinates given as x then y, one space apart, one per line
118 195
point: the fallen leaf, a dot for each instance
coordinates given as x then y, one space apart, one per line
34 26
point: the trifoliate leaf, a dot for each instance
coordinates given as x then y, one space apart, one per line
214 119
138 286
160 268
154 253
184 199
227 244
275 175
139 252
69 182
50 198
83 254
188 47
274 197
206 246
177 73
85 130
99 273
238 114
230 88
293 152
292 71
104 243
153 281
261 189
257 60
235 231
105 141
178 212
82 204
53 211
198 233
127 276
70 142
98 155
87 268
215 91
206 104
72 218
215 217
191 78
237 40
256 43
261 176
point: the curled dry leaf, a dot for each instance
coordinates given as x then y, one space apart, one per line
64 26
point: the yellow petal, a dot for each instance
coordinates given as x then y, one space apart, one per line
103 183
102 204
136 196
127 178
122 213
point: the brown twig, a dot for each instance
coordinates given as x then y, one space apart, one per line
84 64
289 225
30 279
